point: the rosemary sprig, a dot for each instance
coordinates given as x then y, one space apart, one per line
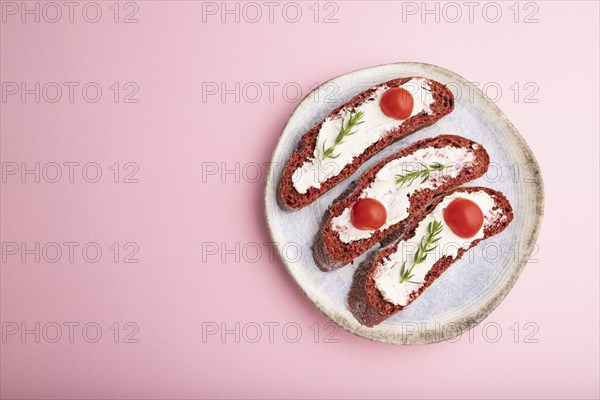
427 245
353 121
424 173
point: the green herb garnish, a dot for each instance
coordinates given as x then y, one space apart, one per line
427 245
353 121
424 173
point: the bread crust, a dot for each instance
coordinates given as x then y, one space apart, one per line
366 302
331 253
287 196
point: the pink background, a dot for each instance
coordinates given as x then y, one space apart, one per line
171 212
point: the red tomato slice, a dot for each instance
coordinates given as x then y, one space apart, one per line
397 103
367 214
464 217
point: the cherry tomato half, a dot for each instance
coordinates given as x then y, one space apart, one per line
464 217
397 103
368 214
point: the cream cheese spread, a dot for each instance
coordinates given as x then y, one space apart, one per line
394 196
375 125
387 274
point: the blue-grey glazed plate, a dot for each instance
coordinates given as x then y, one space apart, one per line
468 291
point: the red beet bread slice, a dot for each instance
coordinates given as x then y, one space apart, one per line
378 292
300 184
334 245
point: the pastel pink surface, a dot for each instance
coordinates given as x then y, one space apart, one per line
172 294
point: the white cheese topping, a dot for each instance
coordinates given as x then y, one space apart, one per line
394 196
375 125
387 274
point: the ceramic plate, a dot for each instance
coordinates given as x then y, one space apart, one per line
468 291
